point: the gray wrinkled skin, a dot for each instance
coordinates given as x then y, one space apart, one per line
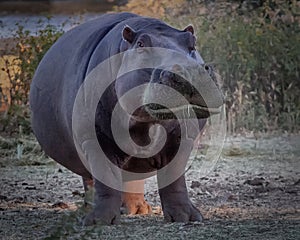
56 83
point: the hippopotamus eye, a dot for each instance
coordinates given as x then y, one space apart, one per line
140 44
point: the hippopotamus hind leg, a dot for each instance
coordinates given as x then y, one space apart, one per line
133 201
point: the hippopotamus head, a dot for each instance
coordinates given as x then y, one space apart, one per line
175 78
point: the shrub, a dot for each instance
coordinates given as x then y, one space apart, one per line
257 55
28 52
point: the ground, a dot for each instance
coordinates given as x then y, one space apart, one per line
252 193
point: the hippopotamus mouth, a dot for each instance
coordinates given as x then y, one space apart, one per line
185 111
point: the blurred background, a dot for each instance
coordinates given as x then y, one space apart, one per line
253 44
58 6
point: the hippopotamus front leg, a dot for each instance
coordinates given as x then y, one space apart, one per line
176 205
107 203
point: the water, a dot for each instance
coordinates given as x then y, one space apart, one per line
9 24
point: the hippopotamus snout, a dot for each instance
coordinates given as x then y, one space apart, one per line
196 83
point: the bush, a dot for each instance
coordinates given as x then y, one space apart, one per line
28 52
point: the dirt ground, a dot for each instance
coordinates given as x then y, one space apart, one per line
252 193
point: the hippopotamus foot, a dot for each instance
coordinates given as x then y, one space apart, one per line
134 203
107 206
176 204
182 212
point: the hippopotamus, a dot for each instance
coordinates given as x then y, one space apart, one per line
54 91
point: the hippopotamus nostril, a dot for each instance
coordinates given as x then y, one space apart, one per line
206 67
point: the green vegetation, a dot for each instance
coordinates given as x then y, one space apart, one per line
255 49
28 51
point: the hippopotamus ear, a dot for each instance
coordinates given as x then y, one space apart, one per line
190 29
128 34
